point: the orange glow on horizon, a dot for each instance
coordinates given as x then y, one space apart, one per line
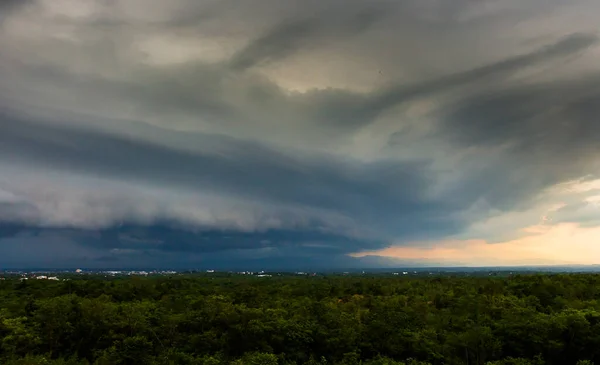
566 243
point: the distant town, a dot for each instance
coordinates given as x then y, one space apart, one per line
67 274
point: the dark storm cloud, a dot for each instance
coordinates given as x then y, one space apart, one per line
169 245
205 90
569 46
173 238
10 229
560 117
287 178
165 246
360 191
546 133
334 107
226 163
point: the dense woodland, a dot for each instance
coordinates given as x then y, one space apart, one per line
524 319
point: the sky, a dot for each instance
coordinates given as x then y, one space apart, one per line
299 133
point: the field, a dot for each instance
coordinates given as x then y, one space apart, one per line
354 319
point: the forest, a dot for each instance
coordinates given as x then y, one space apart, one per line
300 320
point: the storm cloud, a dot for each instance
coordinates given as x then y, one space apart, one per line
273 131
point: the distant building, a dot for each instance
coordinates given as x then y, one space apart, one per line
78 271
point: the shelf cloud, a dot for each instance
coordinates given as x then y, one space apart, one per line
291 133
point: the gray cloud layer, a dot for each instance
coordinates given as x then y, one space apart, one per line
313 129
